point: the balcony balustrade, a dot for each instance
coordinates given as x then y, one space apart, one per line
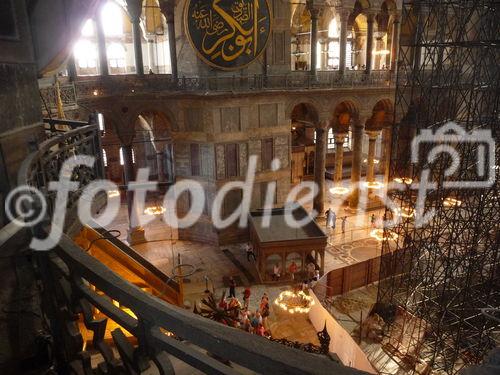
89 87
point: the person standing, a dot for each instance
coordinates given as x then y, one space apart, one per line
264 312
232 288
344 223
250 253
246 297
329 218
276 272
292 269
373 220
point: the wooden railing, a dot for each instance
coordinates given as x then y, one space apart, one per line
148 331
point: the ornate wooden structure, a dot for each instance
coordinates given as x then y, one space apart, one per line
281 244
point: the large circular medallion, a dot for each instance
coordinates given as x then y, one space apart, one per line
228 34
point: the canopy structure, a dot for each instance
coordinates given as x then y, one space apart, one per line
280 244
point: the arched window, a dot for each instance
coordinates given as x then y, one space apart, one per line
333 31
100 121
122 158
116 55
112 16
104 158
331 141
85 54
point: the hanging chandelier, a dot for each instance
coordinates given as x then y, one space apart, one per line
294 302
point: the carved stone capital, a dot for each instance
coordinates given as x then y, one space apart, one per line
167 7
134 8
372 134
344 13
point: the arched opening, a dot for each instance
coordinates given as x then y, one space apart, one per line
153 144
301 38
293 264
274 260
118 40
304 118
340 142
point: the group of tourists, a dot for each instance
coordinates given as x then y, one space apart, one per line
254 322
331 220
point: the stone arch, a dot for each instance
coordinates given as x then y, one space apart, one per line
305 112
153 144
312 105
344 113
382 115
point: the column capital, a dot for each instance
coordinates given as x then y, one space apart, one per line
372 134
344 13
167 7
315 7
370 15
134 8
322 125
340 137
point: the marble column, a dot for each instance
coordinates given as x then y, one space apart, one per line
357 155
395 43
344 17
370 19
314 41
386 152
339 157
134 8
370 173
151 56
167 7
101 47
320 167
136 234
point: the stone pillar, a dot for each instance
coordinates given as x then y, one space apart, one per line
370 173
101 47
395 43
344 17
379 46
167 7
71 68
314 39
161 166
357 155
134 8
339 157
151 56
136 234
386 152
320 167
370 18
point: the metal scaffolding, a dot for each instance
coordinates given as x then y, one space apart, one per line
446 274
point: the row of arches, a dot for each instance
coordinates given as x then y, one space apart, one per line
344 139
330 22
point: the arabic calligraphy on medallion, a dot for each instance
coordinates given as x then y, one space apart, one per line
228 34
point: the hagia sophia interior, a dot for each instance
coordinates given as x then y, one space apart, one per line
247 112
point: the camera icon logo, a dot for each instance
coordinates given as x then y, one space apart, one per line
448 139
